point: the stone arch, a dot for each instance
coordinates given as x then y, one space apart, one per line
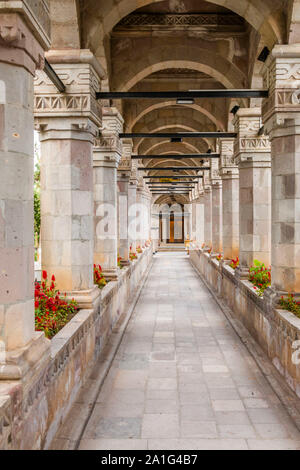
156 145
213 65
171 127
168 104
263 15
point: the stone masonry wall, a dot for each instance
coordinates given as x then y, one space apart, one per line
275 330
29 419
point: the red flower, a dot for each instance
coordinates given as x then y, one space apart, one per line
45 275
53 278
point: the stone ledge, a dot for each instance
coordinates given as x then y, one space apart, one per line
74 352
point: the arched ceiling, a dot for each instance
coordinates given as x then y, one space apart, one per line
154 45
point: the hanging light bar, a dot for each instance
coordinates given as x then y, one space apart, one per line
174 168
177 135
176 157
183 95
173 177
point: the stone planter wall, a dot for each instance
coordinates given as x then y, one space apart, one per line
274 329
30 414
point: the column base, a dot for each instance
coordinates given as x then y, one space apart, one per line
111 274
125 262
86 299
242 273
25 363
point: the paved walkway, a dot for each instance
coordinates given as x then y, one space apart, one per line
182 378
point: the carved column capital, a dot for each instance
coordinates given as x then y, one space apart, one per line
18 45
81 78
249 145
282 77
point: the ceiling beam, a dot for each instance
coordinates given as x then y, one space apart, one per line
176 157
177 135
181 95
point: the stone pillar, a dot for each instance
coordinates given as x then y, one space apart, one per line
230 200
21 53
200 218
140 213
281 116
132 206
68 124
207 214
106 157
155 227
124 171
252 155
217 215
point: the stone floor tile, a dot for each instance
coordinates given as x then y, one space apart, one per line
161 406
199 429
228 405
199 412
160 426
238 431
113 444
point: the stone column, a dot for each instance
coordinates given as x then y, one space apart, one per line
155 227
139 213
106 157
68 124
217 237
132 206
200 218
230 200
281 116
124 171
21 53
252 155
207 212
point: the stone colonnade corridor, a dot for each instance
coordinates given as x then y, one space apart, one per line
182 379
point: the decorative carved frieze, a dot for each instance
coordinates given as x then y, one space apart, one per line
247 125
148 19
282 78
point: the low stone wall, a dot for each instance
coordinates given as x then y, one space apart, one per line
275 330
30 414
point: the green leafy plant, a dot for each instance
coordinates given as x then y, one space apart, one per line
235 263
139 249
37 203
289 303
219 257
52 312
260 276
99 279
119 259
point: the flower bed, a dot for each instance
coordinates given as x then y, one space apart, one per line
99 279
235 263
52 312
260 276
289 303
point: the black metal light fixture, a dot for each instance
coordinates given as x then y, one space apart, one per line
209 154
176 135
264 54
185 101
180 95
52 75
235 109
176 140
173 168
173 177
